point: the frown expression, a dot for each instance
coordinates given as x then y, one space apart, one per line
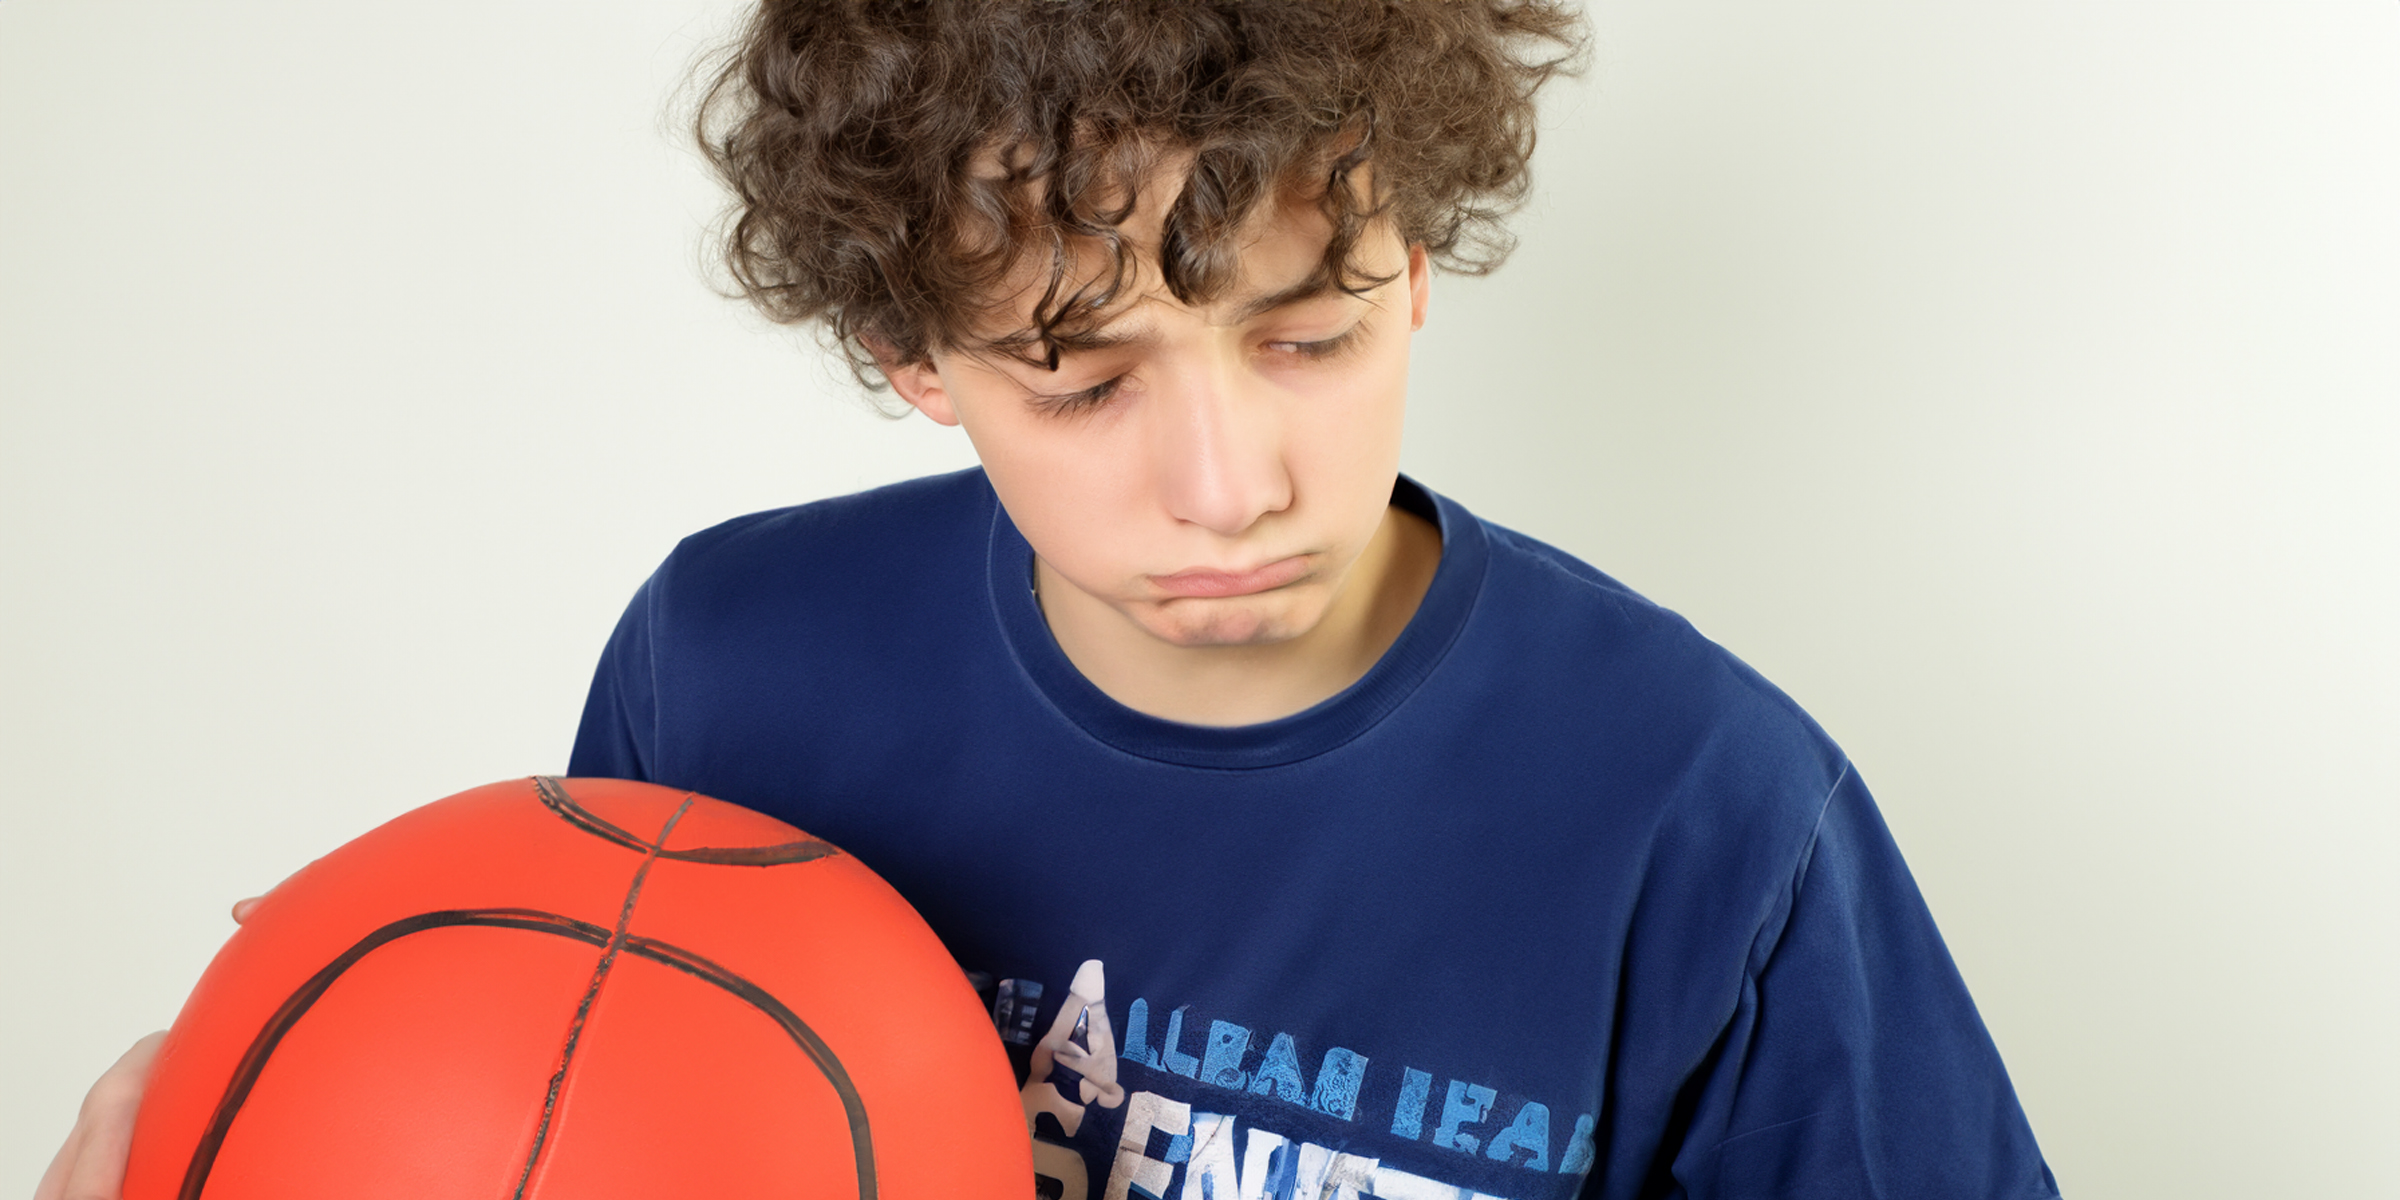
1213 473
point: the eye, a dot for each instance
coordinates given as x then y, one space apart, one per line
1324 347
1076 402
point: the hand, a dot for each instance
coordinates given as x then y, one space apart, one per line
91 1166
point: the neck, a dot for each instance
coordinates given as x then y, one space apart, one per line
1246 684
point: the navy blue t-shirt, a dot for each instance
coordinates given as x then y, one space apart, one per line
1559 900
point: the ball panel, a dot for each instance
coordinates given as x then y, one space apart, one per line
420 1072
491 847
714 823
710 831
834 942
681 1088
618 811
814 931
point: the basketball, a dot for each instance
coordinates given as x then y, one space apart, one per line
554 988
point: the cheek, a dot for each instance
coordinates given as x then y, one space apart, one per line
1065 490
1346 438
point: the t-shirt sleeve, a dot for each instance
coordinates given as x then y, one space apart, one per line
620 716
1855 1065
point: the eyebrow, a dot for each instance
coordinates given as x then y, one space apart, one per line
1085 341
1315 285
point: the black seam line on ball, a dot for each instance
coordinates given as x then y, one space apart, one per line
254 1061
591 995
553 793
262 1047
862 1144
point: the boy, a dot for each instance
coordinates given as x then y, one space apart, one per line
1314 838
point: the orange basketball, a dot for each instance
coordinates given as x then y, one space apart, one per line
555 988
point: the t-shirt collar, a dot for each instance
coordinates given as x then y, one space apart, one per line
1312 731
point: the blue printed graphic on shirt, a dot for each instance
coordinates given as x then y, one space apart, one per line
1167 1141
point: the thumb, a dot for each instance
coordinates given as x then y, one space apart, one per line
91 1166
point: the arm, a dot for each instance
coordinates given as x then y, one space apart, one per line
1854 1064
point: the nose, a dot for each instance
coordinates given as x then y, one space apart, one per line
1219 452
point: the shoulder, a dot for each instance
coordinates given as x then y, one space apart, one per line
1724 774
884 522
861 551
1651 663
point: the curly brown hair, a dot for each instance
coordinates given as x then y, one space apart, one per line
893 161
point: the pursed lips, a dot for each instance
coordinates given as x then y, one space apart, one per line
1202 583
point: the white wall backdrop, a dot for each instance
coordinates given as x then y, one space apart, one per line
2018 385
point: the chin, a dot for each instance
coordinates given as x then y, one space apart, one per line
1224 623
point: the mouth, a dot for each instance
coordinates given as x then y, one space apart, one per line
1201 584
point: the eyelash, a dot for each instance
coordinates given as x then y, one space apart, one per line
1100 393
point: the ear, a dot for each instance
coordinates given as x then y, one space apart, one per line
1420 285
919 383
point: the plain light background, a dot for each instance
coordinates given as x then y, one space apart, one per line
2017 385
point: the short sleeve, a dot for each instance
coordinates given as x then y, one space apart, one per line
620 715
1855 1065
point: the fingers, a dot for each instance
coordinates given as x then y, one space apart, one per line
242 908
54 1181
91 1166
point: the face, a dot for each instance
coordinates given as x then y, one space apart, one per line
1213 474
